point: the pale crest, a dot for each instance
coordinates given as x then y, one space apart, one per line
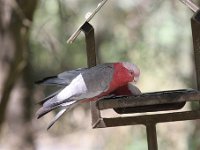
132 67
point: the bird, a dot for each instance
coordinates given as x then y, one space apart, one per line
87 84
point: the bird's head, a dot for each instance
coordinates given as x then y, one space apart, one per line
133 70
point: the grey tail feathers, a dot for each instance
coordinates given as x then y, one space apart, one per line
44 110
50 103
64 107
60 113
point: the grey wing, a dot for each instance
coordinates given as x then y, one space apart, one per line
63 78
98 79
70 75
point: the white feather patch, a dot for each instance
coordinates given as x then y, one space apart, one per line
76 87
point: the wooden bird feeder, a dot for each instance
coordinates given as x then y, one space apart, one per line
146 102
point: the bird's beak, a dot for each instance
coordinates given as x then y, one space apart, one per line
136 78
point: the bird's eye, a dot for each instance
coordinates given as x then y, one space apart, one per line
132 73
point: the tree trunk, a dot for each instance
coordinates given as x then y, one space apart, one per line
15 21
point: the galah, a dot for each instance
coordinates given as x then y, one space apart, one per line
86 84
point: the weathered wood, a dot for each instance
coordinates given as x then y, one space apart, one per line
147 99
146 119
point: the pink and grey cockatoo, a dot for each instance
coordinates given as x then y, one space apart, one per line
87 84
